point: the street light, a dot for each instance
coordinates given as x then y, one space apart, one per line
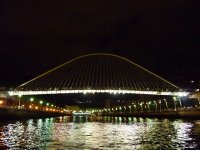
19 105
1 102
179 101
166 103
148 104
198 100
160 104
174 103
156 105
120 108
31 99
129 108
41 102
141 106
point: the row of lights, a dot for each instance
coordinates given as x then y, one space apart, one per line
85 91
47 107
141 104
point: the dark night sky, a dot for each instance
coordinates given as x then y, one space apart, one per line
162 36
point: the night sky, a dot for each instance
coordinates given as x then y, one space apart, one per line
162 36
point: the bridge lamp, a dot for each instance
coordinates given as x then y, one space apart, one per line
52 105
41 102
47 104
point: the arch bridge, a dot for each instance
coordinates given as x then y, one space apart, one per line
98 73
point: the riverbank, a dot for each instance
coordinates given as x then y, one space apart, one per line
10 113
171 114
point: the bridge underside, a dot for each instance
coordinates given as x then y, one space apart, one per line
180 94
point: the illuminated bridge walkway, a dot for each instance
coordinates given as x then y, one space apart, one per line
98 73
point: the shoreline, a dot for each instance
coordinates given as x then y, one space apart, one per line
173 114
10 113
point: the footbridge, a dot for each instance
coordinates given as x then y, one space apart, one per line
98 73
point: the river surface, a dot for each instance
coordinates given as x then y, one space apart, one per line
66 133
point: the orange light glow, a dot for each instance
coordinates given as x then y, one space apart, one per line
36 107
1 102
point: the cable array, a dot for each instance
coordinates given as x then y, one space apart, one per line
99 72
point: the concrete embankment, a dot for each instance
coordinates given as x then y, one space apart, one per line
171 114
8 113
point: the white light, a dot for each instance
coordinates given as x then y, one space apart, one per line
20 93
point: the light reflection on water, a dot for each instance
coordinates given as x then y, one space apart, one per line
109 133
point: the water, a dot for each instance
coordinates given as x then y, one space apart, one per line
65 133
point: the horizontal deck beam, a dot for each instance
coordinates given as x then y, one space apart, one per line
180 94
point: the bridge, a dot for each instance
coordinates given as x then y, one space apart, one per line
98 73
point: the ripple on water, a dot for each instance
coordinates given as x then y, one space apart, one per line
113 133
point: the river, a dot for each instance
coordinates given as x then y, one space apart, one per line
80 133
